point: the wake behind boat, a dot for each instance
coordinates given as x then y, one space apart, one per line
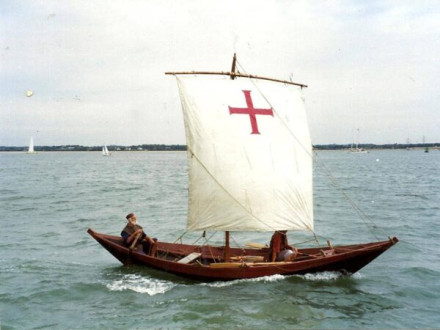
250 169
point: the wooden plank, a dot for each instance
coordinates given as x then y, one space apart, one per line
248 258
256 245
227 265
189 258
327 253
275 263
247 264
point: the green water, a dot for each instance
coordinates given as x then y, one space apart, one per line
54 275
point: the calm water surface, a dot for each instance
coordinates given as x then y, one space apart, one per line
53 275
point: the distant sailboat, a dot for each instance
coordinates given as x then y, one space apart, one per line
357 150
105 151
31 147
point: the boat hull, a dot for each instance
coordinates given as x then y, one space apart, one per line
211 266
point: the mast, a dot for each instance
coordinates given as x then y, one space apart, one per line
227 251
234 62
357 139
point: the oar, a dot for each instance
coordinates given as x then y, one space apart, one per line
135 241
130 249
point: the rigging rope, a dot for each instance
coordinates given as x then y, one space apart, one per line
227 192
364 217
201 236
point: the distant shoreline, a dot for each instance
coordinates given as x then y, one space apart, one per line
111 148
179 147
369 146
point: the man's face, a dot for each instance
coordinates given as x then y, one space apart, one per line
133 219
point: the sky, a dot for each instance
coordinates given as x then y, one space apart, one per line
96 68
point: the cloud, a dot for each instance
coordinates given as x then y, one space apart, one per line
97 68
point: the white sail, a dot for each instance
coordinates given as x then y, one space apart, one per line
249 154
31 146
105 151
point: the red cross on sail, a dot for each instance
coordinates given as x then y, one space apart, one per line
251 111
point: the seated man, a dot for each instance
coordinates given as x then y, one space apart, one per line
132 231
280 250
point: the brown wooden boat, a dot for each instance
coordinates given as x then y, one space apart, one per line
208 262
250 165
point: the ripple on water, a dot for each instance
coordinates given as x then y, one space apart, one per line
140 284
57 276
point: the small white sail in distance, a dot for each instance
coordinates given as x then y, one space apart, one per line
357 150
31 146
105 151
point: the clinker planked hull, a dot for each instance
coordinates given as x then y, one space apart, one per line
245 263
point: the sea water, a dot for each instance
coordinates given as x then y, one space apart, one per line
54 275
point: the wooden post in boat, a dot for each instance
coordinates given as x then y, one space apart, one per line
329 244
227 255
234 61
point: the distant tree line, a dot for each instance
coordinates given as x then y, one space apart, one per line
376 146
179 147
112 148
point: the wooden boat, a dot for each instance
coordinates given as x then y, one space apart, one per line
250 169
357 150
207 263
